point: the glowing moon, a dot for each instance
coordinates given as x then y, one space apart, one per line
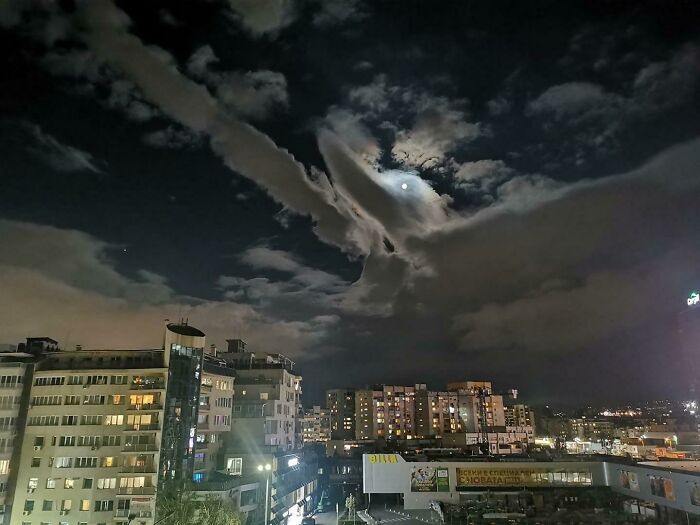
404 186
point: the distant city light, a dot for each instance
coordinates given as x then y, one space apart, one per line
693 298
293 462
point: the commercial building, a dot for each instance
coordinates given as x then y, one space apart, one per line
672 488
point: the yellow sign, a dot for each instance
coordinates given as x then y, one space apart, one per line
383 458
509 477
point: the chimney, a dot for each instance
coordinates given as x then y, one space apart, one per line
212 350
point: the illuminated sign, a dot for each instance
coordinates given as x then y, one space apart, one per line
693 299
430 479
509 477
382 458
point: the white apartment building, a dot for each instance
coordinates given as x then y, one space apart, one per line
14 370
267 400
91 448
214 416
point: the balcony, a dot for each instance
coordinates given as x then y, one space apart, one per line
158 385
141 428
125 513
150 406
136 491
149 468
140 447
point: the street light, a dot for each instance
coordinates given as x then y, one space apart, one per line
267 468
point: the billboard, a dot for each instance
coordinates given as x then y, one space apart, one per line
520 477
430 479
661 487
629 480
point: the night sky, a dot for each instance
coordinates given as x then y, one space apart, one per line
387 191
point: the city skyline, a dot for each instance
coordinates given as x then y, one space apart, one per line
385 193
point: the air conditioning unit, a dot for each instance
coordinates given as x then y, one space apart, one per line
63 513
26 513
37 447
31 491
2 509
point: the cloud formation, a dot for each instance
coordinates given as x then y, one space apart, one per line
61 283
57 155
264 17
253 94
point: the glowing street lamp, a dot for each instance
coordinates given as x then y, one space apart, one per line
266 468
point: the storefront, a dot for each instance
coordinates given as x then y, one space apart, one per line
666 485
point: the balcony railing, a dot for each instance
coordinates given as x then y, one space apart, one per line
149 406
136 491
141 428
125 513
141 469
140 447
148 386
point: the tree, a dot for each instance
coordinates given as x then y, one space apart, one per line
350 505
181 507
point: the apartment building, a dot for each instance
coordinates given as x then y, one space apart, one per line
386 411
439 413
519 415
267 402
214 416
315 425
341 406
408 412
92 439
15 376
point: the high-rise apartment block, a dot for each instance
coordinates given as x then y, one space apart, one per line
341 406
316 425
409 412
92 441
519 415
92 436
